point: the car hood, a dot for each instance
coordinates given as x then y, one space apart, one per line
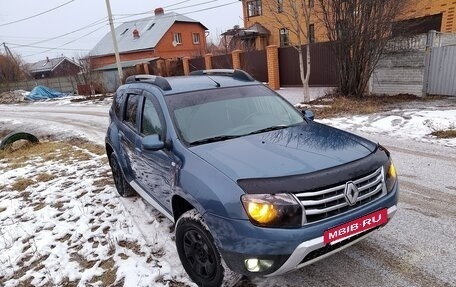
295 150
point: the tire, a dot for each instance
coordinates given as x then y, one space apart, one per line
10 138
199 255
123 188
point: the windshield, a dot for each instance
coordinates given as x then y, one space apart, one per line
221 114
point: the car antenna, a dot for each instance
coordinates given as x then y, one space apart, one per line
217 84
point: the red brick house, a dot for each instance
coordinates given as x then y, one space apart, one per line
164 35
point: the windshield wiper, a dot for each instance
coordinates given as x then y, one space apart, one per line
273 128
214 139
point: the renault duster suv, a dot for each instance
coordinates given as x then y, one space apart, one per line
254 186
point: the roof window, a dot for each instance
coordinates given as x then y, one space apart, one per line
124 32
150 27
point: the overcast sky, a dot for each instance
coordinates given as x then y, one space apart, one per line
90 16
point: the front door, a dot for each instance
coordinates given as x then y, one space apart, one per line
156 169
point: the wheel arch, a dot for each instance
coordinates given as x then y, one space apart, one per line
180 206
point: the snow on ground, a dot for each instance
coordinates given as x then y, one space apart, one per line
72 227
62 223
412 124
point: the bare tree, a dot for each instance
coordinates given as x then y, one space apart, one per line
88 76
11 69
295 17
360 30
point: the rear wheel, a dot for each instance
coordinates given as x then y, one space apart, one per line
123 188
198 253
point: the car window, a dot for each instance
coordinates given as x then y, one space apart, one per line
118 99
151 123
229 112
131 110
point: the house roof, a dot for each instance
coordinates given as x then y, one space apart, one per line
151 30
126 64
47 65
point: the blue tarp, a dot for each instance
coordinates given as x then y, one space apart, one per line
43 93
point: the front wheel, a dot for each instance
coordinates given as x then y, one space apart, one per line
198 253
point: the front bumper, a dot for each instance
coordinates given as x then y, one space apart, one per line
239 240
298 258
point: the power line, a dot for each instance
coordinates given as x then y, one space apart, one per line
98 22
186 13
36 15
176 3
41 47
178 8
60 47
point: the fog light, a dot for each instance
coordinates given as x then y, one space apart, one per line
257 265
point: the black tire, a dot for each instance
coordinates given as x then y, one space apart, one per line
199 255
123 187
10 138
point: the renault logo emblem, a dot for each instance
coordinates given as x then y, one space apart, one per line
351 193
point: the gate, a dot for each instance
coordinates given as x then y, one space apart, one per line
442 71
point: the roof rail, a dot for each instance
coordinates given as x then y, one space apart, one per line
236 74
158 81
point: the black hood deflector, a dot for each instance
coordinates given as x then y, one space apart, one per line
317 180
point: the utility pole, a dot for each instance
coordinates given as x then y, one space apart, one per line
8 53
114 42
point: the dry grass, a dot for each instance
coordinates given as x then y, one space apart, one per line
62 151
109 275
44 177
133 246
333 106
444 134
22 183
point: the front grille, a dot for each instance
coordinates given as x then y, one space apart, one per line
329 202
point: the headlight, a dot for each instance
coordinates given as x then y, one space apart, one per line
273 210
390 176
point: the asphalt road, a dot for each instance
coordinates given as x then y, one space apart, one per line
417 248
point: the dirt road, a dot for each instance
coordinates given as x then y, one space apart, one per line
417 249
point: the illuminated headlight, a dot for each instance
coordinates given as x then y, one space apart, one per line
390 176
273 210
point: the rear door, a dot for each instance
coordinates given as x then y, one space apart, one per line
128 131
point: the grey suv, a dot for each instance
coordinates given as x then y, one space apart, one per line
254 186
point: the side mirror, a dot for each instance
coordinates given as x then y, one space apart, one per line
308 114
152 143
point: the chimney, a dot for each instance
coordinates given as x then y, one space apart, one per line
159 11
135 34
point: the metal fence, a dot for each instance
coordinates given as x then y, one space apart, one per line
322 66
442 71
255 63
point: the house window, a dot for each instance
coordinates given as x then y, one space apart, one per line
279 6
196 38
177 38
284 37
311 32
254 8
